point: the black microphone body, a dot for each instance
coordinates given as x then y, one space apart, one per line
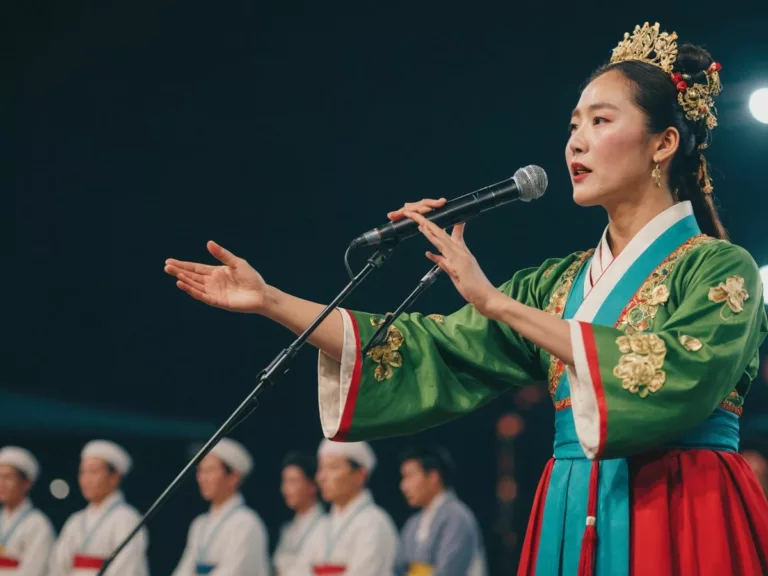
461 209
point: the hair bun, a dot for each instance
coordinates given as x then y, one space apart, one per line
692 59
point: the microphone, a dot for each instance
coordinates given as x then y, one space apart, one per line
527 184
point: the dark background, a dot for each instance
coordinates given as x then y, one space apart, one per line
139 130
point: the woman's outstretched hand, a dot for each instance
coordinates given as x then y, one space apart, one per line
234 286
459 263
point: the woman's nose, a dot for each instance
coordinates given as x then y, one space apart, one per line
576 143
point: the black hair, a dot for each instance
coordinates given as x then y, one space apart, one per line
433 457
306 462
656 94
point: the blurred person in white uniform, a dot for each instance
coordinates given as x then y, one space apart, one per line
91 535
359 538
230 539
26 534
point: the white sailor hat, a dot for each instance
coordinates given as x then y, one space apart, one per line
22 460
110 452
234 455
358 452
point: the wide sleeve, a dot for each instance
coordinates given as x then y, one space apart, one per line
133 558
635 391
34 560
429 369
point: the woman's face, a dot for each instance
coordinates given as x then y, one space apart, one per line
609 152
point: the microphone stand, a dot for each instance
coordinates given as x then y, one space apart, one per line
270 375
380 335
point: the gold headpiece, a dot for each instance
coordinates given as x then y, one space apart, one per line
696 93
649 45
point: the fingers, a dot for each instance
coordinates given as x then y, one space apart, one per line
426 205
457 234
221 254
440 261
432 232
193 282
178 272
179 265
195 293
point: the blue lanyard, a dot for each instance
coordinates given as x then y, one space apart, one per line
5 538
202 547
297 548
88 534
331 542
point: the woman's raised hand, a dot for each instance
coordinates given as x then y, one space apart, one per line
421 207
234 286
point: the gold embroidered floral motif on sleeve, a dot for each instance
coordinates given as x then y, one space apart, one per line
640 364
642 309
439 318
386 355
689 342
556 307
732 292
733 403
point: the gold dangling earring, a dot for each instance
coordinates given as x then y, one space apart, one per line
656 175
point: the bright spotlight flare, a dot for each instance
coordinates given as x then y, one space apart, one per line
758 105
527 184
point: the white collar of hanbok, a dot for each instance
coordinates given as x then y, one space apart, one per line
233 502
605 271
8 517
599 264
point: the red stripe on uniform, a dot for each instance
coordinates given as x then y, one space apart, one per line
329 569
349 406
6 562
90 562
590 349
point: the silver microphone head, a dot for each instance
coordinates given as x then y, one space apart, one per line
531 182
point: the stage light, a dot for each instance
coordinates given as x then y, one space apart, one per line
758 105
59 489
764 278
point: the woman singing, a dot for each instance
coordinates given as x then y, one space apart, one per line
649 343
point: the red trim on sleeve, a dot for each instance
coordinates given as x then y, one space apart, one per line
89 562
354 386
6 562
590 348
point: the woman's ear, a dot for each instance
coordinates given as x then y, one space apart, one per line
666 144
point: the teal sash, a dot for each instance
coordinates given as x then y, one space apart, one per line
565 507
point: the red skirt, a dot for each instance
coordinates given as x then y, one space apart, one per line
692 513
